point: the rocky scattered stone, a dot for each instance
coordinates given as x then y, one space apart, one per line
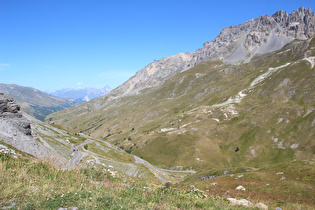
206 177
69 208
240 188
261 206
242 202
9 207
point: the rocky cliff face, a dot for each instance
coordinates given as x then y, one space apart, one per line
12 119
259 35
234 44
154 74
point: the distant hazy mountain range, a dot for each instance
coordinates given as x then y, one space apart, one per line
39 104
81 95
35 102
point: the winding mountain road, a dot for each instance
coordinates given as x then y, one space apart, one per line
160 174
78 155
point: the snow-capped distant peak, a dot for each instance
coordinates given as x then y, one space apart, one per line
86 98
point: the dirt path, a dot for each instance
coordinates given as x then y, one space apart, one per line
154 170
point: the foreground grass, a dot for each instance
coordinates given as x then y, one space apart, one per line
26 184
288 185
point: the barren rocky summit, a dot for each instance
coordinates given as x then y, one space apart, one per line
234 44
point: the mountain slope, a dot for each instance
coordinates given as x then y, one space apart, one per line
81 95
35 102
216 114
29 137
200 117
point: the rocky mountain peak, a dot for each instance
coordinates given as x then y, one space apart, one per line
260 35
234 44
155 73
299 23
280 16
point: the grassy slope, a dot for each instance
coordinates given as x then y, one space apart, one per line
40 112
36 185
27 184
270 118
289 186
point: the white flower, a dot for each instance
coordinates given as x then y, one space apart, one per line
239 176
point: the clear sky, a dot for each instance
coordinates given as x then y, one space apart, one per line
56 44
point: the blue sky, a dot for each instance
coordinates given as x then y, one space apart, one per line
56 44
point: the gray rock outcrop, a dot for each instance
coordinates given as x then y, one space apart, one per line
15 129
10 113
